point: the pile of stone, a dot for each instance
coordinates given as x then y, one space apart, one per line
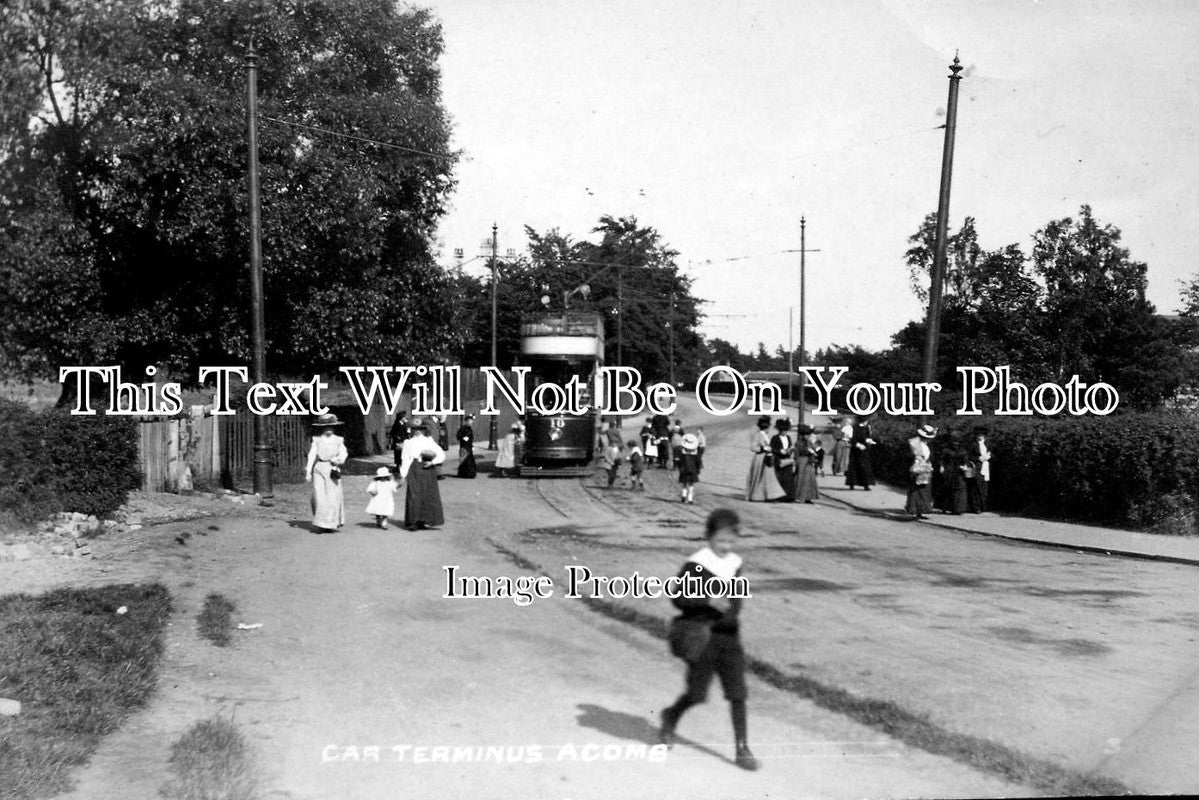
70 533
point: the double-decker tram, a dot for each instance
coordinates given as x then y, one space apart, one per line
557 347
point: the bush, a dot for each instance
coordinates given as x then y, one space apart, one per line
51 461
1138 470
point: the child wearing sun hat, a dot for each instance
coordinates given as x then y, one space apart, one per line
383 497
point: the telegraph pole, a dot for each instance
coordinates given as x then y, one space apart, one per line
933 328
263 452
491 428
803 274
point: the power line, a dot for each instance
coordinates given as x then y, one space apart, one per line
387 145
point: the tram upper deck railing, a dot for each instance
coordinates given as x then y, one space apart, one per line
567 323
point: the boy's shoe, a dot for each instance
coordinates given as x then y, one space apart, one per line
745 759
666 732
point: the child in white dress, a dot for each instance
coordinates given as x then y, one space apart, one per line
383 497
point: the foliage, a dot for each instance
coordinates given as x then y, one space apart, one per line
1136 469
629 272
51 461
129 183
80 668
212 760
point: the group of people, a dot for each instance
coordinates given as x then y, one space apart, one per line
783 467
955 479
659 443
417 459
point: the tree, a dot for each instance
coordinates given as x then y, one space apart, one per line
140 122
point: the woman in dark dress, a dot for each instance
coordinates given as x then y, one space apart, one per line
782 450
418 471
860 471
920 501
952 476
806 490
467 468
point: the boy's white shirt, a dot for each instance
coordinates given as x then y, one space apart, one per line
725 567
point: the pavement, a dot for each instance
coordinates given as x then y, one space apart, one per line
889 501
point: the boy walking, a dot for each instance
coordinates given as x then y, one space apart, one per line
687 464
636 467
722 655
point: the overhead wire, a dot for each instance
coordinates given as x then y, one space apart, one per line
367 140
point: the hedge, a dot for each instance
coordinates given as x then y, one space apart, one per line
1138 470
51 461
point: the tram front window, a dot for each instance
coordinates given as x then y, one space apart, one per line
560 372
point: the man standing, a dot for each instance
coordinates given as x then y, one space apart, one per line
399 434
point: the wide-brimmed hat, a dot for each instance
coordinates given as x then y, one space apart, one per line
417 422
326 421
926 432
763 422
382 472
783 424
690 442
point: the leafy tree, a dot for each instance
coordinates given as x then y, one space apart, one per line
139 120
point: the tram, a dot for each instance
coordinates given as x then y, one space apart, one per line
557 347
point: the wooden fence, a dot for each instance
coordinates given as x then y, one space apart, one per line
181 453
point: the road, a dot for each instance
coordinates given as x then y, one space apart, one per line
892 659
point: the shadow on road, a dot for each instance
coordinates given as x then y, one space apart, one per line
633 728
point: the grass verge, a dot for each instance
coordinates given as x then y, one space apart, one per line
78 668
911 728
216 619
212 761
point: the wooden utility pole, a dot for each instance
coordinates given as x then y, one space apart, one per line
803 304
263 451
933 327
495 228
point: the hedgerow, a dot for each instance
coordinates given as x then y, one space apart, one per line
1137 470
51 461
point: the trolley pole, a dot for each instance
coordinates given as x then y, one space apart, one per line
263 451
491 427
803 305
790 352
933 328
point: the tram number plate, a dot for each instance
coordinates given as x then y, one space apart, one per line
558 422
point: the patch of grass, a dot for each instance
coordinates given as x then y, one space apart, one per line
212 761
79 669
216 619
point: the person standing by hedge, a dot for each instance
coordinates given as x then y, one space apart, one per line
722 655
920 499
325 459
952 469
467 468
860 471
978 480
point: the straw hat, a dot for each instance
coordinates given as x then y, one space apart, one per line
690 442
382 472
326 421
927 432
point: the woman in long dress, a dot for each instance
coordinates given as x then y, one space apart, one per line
952 480
418 470
860 471
505 459
842 437
761 485
920 498
782 453
806 443
325 459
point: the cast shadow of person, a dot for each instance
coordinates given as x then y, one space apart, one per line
633 728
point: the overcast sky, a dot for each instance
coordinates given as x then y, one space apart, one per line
720 123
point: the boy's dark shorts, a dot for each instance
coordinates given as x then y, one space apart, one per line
722 657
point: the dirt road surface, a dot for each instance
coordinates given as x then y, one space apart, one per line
1080 660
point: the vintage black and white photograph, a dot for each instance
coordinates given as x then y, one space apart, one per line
609 400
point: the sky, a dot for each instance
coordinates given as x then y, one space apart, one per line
720 124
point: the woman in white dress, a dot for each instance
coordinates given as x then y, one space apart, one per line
762 485
325 459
